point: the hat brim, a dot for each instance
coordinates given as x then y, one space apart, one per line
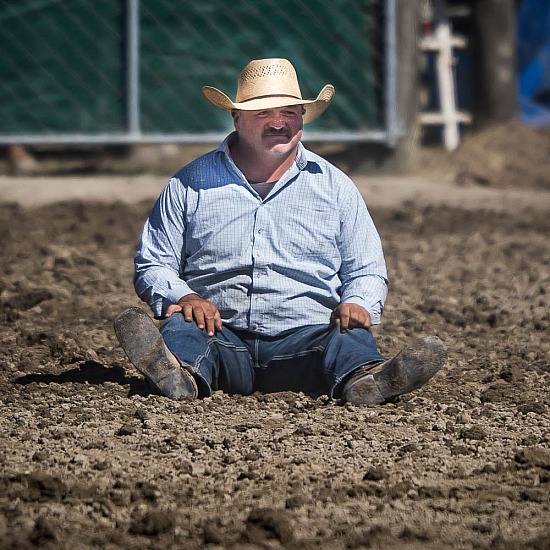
313 107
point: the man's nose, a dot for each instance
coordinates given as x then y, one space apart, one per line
276 121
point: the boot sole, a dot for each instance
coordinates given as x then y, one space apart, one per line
407 371
145 348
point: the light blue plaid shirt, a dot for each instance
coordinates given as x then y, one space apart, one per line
269 265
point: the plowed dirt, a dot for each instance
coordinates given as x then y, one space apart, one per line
91 459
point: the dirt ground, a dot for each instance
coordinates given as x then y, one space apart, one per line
90 459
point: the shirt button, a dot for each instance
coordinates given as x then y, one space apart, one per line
254 326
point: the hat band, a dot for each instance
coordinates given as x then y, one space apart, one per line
270 95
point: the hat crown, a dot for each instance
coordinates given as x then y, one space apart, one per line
268 77
270 84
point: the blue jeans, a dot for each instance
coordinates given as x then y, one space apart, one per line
313 359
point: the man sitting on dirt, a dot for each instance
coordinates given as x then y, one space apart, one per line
264 266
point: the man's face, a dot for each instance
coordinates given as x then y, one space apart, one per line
273 131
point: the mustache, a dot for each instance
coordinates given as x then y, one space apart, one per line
275 132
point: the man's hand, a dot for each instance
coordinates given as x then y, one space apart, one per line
194 308
350 316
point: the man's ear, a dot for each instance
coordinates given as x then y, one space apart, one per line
235 115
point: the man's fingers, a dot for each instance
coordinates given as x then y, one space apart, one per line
344 317
200 317
218 321
350 316
205 314
210 320
188 312
213 320
174 308
193 313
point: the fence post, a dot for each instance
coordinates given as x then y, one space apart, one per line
407 77
495 79
392 128
132 67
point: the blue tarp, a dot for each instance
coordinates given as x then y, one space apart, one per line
534 62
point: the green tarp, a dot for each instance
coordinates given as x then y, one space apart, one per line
62 68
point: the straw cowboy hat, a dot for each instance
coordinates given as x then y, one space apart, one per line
268 84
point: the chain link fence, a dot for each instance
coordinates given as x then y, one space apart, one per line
131 71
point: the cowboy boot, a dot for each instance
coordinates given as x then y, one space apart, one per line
143 344
410 369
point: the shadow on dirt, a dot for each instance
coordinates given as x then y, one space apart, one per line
90 372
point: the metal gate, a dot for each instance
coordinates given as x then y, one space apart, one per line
113 71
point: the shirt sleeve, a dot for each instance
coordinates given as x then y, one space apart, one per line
157 263
363 270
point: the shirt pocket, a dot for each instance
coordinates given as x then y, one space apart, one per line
312 233
220 231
